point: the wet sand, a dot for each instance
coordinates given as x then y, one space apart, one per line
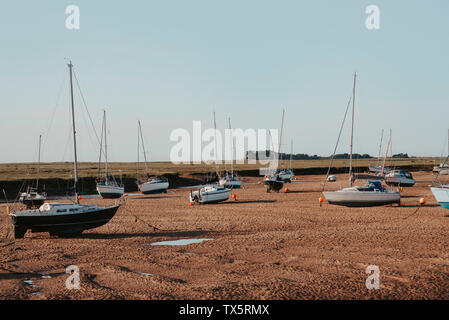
265 246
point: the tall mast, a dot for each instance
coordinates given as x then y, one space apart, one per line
352 132
38 162
386 153
216 153
105 147
101 150
380 146
138 150
291 154
74 134
232 147
143 147
280 137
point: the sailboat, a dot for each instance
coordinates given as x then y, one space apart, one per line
32 198
212 193
63 219
441 192
229 180
287 174
443 168
108 188
372 194
154 184
272 180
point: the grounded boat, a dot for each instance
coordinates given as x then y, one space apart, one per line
400 178
109 188
32 198
372 194
272 179
63 219
441 194
154 184
287 174
210 194
229 180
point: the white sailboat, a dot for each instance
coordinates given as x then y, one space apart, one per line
272 179
32 197
63 219
154 184
287 174
229 180
372 194
108 188
443 168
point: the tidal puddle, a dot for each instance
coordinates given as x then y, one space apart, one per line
180 242
145 274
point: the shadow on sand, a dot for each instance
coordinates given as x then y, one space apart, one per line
171 234
247 201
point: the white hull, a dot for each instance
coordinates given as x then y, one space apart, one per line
153 187
109 191
210 195
350 198
235 184
399 181
442 196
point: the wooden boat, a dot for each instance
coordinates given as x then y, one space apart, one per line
63 219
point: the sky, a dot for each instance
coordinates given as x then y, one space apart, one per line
168 63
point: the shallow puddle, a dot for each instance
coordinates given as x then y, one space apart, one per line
145 274
180 242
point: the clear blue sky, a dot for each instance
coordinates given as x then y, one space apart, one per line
168 63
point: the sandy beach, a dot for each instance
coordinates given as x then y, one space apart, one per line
260 246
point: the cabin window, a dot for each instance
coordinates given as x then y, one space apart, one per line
61 210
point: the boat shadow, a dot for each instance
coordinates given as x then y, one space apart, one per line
418 205
247 201
157 233
156 197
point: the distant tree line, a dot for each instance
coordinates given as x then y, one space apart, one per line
302 156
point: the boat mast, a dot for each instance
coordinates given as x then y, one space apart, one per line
216 153
380 147
138 150
352 132
105 148
143 147
74 134
232 147
38 163
280 137
291 154
101 150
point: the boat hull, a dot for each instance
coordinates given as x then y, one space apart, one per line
154 187
361 199
442 196
399 181
273 185
110 192
60 224
210 197
231 184
31 203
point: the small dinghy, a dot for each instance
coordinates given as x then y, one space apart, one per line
210 194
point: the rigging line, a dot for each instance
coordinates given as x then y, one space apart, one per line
85 106
336 145
58 97
87 126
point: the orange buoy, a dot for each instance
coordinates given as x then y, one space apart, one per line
422 201
191 203
321 199
234 196
287 190
126 194
80 197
